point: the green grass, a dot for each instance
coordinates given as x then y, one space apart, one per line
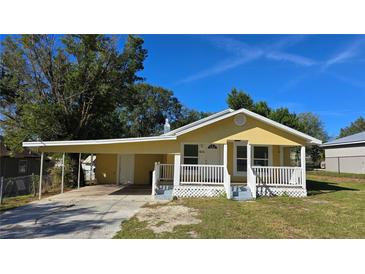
336 174
334 208
13 202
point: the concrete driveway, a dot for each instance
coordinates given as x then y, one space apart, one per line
92 212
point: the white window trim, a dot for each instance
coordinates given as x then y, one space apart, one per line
242 143
183 152
235 172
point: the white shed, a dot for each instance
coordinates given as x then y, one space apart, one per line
346 155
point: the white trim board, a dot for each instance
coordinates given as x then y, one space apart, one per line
192 127
97 142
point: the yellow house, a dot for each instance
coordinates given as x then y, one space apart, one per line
238 153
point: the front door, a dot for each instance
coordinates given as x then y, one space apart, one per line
126 169
212 155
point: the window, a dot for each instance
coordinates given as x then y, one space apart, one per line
260 156
191 153
22 166
240 159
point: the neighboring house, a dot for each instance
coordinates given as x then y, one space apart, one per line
347 154
237 153
19 164
88 166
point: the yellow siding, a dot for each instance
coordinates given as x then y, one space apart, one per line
287 161
256 132
144 163
106 168
276 155
168 159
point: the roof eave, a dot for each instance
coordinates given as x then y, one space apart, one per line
96 142
342 144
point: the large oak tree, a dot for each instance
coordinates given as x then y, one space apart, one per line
68 87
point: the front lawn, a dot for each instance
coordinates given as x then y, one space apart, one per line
334 208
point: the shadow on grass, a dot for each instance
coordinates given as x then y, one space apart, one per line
318 187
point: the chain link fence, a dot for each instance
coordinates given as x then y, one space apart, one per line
27 185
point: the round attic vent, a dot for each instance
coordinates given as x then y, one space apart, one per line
240 119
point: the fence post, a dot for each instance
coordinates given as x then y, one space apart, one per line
1 189
40 176
63 173
78 172
33 185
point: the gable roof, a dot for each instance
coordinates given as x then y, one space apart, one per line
172 135
230 112
357 138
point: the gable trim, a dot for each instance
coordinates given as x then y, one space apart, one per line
310 139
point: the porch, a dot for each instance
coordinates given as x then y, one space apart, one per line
253 176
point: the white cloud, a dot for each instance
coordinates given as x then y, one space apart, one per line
246 54
287 57
350 52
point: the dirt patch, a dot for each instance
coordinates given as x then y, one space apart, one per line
317 201
165 218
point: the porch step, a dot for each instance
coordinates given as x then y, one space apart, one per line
164 193
241 193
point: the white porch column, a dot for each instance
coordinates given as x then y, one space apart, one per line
40 177
249 153
177 170
78 173
63 172
225 157
302 164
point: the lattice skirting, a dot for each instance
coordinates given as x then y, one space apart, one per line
280 191
198 191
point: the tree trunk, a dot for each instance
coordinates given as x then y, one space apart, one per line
75 170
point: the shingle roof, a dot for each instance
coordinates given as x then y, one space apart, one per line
352 139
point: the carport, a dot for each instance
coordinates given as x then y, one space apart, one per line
111 154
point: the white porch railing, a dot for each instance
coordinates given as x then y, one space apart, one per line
202 174
166 172
277 176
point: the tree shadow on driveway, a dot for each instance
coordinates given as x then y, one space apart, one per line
52 220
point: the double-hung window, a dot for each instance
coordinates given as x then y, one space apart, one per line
260 156
191 154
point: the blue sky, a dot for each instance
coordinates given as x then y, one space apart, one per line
323 74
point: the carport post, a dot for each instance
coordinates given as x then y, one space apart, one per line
40 177
78 174
91 166
63 172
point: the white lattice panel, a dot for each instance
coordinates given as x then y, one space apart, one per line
280 191
198 191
